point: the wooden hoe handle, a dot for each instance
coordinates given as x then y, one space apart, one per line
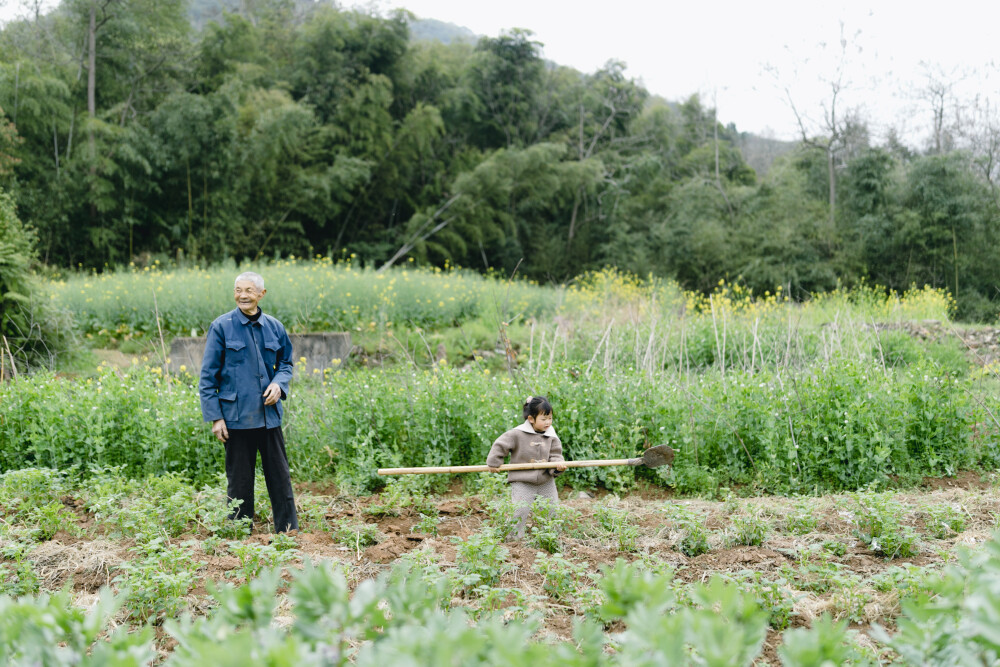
509 466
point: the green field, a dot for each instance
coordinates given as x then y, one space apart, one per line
809 500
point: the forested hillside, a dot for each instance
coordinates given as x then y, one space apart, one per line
153 128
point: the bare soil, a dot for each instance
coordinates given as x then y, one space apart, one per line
88 558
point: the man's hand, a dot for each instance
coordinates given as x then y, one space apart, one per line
272 394
219 430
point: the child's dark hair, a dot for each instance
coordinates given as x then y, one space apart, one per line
536 405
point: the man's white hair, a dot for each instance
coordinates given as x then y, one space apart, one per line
255 278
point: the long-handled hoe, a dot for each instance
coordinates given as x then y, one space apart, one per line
654 457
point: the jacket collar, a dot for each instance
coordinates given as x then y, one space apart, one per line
243 319
528 428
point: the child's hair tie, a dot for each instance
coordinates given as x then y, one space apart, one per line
528 400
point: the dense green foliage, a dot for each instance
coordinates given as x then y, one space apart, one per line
283 127
34 330
137 421
17 250
842 425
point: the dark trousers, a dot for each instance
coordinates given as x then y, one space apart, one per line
241 459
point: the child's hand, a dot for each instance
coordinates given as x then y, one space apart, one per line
495 470
561 468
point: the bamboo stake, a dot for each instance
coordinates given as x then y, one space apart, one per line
552 346
13 366
719 351
531 345
163 345
601 342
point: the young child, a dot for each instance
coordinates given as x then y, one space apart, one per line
533 441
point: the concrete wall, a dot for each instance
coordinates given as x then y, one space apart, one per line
319 349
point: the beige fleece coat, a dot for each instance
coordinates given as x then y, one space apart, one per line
526 445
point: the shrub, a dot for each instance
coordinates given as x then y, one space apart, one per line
560 576
551 522
877 518
617 525
749 528
629 585
826 642
356 534
34 329
481 559
944 520
772 595
256 557
500 517
694 536
801 520
158 580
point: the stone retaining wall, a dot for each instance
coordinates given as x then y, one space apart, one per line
319 349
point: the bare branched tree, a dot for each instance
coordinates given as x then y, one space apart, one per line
978 128
837 129
938 93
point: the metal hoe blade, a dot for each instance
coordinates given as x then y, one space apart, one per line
654 457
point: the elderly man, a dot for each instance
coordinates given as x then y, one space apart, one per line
244 376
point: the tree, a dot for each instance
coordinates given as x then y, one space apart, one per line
607 104
287 175
224 50
505 76
8 140
830 134
780 236
953 236
694 242
939 93
869 206
979 130
17 251
512 207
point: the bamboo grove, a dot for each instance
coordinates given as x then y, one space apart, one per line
202 131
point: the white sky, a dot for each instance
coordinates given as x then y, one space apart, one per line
724 50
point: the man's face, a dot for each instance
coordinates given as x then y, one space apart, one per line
247 296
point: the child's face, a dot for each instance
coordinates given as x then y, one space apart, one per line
541 422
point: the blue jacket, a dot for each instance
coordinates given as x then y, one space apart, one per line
241 359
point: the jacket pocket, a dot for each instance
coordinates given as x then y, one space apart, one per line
230 407
271 348
235 352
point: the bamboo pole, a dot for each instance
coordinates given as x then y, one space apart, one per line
442 470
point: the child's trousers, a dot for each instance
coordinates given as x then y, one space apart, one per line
523 494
